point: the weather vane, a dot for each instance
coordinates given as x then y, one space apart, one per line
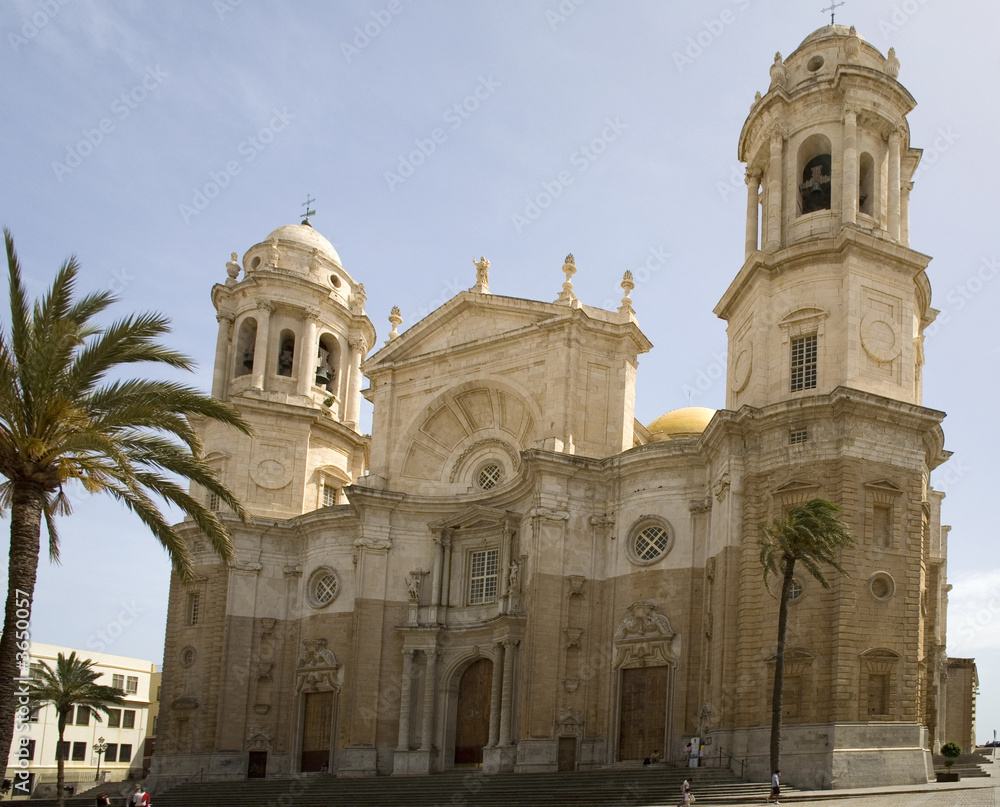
309 211
833 7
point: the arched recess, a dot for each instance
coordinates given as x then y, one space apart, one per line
815 174
328 362
866 184
797 699
466 427
246 340
646 652
318 682
878 698
286 353
469 730
453 677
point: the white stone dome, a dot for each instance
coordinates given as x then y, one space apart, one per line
305 237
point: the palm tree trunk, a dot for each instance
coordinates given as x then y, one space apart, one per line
779 665
61 763
22 569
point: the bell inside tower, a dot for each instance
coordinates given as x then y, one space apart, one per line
816 181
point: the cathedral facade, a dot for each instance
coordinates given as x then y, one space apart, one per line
513 572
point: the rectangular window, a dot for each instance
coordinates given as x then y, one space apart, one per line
804 363
132 684
798 436
128 719
79 752
882 525
193 607
329 496
62 750
878 694
114 718
82 716
155 718
213 502
118 681
125 752
483 577
111 755
29 751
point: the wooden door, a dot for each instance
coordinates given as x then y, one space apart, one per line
472 731
643 712
317 729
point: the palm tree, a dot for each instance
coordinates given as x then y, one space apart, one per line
812 535
70 685
63 422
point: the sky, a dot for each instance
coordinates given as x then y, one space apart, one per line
153 139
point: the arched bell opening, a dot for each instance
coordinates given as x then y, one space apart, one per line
327 363
286 353
245 342
815 172
866 184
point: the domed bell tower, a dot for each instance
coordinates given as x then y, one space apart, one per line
292 336
830 293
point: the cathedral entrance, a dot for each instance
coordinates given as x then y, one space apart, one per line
317 730
257 765
643 711
472 729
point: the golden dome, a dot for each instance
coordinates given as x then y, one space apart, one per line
688 422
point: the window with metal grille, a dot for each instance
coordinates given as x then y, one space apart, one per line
795 590
193 608
798 436
489 476
483 577
804 363
213 502
326 589
651 542
329 496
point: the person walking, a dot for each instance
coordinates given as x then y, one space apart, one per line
686 795
775 787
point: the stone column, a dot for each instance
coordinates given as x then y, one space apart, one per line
438 573
446 572
429 682
222 368
353 412
904 214
895 140
404 701
753 211
774 206
507 695
495 693
307 354
260 346
850 184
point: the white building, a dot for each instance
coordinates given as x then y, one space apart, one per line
32 760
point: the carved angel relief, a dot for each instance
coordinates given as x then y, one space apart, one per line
317 668
644 638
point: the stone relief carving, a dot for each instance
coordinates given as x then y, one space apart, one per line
644 638
258 739
317 668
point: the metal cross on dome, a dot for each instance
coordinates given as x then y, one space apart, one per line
309 211
832 9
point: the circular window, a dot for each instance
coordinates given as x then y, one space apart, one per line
255 262
815 63
649 540
324 586
795 590
489 476
882 586
335 281
188 656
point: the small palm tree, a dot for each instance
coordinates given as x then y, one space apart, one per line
67 687
812 535
62 421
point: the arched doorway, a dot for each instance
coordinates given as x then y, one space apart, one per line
644 702
472 721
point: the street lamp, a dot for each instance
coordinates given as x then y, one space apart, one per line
100 747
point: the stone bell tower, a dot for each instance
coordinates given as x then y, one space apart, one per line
830 294
292 336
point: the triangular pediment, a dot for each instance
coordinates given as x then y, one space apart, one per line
475 516
467 319
884 485
796 486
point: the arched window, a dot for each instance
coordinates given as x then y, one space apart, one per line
815 174
327 362
866 184
245 342
286 353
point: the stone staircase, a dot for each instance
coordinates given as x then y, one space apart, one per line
967 766
659 784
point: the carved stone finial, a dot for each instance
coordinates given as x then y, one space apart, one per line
482 276
569 268
892 63
777 72
395 319
232 269
358 299
756 99
853 45
627 285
